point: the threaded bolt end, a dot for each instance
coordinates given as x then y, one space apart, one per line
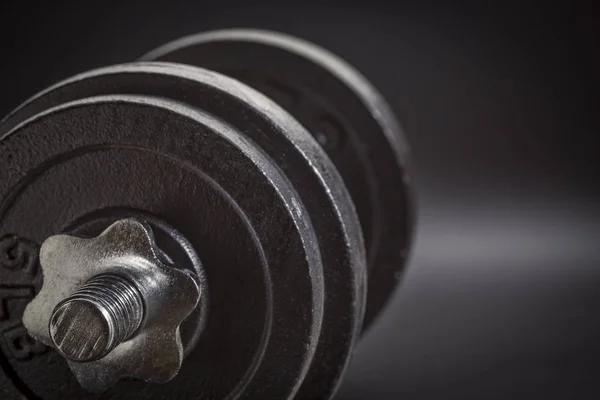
89 324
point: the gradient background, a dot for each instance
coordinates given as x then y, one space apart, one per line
500 104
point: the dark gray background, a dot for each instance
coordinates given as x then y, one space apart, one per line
499 101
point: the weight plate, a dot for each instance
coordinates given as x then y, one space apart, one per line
344 112
295 153
94 155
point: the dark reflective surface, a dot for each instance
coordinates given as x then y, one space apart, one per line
499 102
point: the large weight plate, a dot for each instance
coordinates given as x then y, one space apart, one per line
111 154
344 112
295 153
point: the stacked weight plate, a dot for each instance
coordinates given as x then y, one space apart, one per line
279 164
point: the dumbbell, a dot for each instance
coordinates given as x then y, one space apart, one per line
222 219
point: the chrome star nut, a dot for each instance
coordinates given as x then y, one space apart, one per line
111 306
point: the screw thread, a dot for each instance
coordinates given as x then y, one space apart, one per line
105 311
119 297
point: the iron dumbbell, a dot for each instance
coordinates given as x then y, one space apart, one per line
225 216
